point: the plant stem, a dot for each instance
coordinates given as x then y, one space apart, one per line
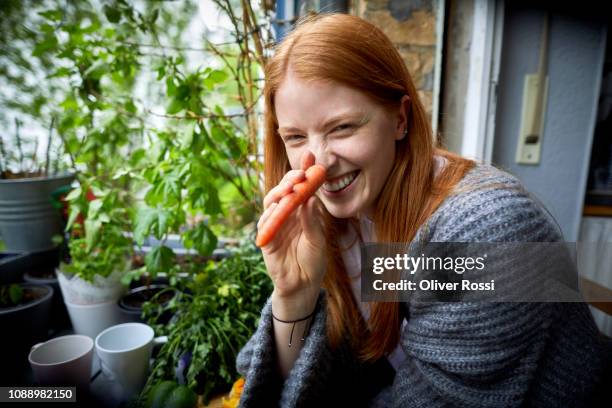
250 16
72 161
18 143
47 154
3 158
34 168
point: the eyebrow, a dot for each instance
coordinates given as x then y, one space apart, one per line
365 118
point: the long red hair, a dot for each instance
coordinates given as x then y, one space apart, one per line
351 51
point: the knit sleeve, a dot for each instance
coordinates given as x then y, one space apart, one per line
321 376
257 363
483 354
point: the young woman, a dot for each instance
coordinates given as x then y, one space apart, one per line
338 94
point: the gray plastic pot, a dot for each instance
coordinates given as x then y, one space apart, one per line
23 326
131 303
28 220
12 266
59 315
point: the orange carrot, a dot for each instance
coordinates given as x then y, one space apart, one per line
315 176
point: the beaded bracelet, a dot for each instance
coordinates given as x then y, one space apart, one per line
294 322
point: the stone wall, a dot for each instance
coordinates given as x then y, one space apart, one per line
411 25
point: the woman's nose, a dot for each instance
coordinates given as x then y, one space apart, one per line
324 155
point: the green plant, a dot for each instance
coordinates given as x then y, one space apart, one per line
97 227
164 135
173 163
10 295
169 394
200 176
215 313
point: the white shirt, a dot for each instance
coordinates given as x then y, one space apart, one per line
352 263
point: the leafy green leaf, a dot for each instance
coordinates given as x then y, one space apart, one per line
132 275
144 220
61 72
112 14
121 173
92 233
155 220
130 106
154 16
74 194
166 190
201 238
69 104
52 15
215 77
175 106
96 70
16 293
47 44
213 204
170 85
187 135
94 208
74 213
160 259
224 290
137 156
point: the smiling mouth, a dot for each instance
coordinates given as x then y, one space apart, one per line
340 183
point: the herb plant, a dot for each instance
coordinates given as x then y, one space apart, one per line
97 242
165 138
10 295
214 316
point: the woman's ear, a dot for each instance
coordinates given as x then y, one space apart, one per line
402 118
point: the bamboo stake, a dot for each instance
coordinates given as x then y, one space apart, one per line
18 142
47 154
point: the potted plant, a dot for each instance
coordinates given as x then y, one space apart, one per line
20 306
28 219
98 255
154 286
143 289
12 265
214 315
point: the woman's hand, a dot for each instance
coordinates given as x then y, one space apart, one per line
295 258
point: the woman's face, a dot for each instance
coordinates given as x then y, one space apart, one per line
350 134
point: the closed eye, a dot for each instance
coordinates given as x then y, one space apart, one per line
293 138
342 127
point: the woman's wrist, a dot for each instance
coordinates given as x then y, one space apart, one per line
294 307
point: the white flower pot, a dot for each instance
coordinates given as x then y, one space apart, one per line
92 306
90 320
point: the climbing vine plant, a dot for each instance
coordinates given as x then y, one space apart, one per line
134 104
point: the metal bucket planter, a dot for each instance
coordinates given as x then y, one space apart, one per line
28 219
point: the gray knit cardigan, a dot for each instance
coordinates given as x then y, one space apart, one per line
458 354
